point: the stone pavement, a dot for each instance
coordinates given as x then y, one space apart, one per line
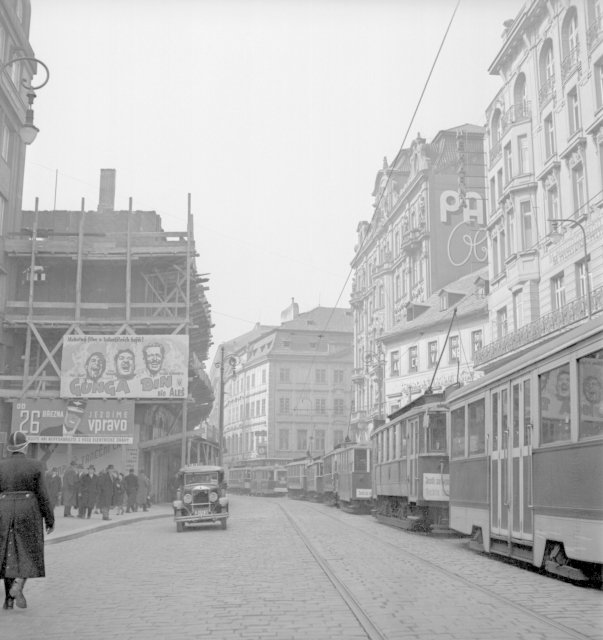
74 527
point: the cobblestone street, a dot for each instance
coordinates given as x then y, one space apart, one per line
260 579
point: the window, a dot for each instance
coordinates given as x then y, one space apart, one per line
495 265
599 83
501 322
492 195
553 203
284 405
263 407
436 434
284 375
338 376
477 340
590 375
527 225
302 439
381 296
321 376
517 309
6 135
413 359
582 274
555 405
511 230
523 153
337 436
432 350
508 163
319 440
458 432
503 248
499 182
320 406
394 363
578 188
2 210
558 291
252 380
338 406
477 427
263 376
549 136
453 353
283 439
573 111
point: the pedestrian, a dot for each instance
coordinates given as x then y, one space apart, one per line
105 491
24 508
54 486
144 488
80 474
120 492
131 482
70 478
87 491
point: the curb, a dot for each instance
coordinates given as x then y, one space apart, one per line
102 527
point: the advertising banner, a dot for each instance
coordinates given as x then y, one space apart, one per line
124 366
78 421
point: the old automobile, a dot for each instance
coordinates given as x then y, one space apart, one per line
201 497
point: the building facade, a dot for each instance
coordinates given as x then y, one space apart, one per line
545 175
288 388
428 229
107 328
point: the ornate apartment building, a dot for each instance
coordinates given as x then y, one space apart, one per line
427 230
545 175
287 388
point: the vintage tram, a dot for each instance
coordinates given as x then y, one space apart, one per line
296 478
410 465
314 480
239 479
346 479
526 456
268 480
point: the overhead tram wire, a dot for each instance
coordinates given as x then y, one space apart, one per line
420 100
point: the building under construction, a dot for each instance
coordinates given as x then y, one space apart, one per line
106 330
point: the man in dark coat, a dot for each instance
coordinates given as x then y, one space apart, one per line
24 505
70 478
87 493
131 482
54 486
105 491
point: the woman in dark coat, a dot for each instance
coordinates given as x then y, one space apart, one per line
24 504
106 487
87 492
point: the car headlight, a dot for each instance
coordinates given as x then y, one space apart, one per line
188 498
213 496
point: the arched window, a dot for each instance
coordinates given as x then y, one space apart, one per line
547 71
569 42
519 96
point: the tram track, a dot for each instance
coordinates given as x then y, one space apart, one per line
371 627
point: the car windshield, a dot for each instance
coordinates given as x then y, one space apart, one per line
201 478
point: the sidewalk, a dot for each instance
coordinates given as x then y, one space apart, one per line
71 528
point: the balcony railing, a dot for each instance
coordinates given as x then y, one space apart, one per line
495 152
519 112
593 33
547 324
570 63
546 91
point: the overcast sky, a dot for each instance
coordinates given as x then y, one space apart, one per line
274 114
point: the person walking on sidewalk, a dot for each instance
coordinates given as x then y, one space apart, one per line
106 489
87 490
120 492
24 508
144 489
131 482
54 486
70 478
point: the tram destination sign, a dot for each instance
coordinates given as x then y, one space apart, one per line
125 366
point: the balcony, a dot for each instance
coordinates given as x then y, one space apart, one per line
550 323
522 267
570 63
516 114
593 34
495 153
546 91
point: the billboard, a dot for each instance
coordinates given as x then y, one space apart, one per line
77 421
124 366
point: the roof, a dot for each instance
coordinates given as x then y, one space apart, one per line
468 305
196 468
322 319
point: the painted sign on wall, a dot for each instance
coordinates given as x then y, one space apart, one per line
436 486
78 421
124 366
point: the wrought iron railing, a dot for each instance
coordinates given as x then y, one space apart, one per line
547 324
593 33
519 112
570 62
546 91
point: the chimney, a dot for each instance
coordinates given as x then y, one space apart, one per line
106 196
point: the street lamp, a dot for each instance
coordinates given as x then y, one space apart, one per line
232 361
584 247
28 131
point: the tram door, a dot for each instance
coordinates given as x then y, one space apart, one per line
413 458
511 472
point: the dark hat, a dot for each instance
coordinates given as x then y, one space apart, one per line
16 442
73 463
92 467
110 466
